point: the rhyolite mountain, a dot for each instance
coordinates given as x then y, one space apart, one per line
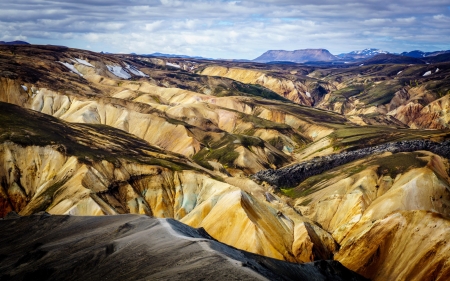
288 161
298 56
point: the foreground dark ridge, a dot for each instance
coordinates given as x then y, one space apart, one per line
136 247
293 175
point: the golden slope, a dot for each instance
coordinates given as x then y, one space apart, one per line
408 245
381 209
294 91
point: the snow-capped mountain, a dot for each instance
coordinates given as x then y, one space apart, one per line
368 52
362 54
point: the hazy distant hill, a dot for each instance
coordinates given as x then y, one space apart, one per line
445 57
176 56
392 59
14 43
296 56
421 54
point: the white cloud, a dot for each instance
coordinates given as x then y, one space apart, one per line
441 17
407 20
376 21
92 37
153 26
229 29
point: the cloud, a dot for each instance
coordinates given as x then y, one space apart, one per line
228 29
406 20
441 17
376 21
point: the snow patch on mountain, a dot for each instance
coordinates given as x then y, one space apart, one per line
71 67
173 65
368 52
135 71
81 61
118 71
362 54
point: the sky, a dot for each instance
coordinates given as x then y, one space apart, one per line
228 29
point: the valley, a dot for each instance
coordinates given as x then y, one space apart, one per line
291 162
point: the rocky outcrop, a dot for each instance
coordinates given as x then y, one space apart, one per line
294 174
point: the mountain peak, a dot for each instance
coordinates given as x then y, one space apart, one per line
362 54
369 52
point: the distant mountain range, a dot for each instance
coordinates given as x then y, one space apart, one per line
322 55
318 56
